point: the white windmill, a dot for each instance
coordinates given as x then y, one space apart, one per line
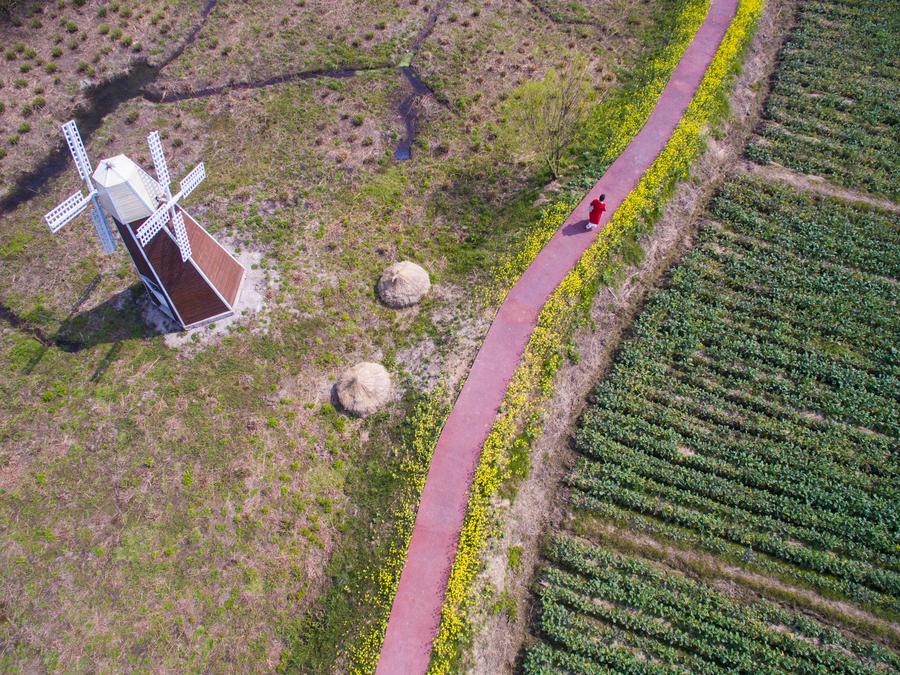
72 207
167 210
186 272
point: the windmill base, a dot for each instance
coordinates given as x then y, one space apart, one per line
193 292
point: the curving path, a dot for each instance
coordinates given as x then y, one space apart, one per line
415 614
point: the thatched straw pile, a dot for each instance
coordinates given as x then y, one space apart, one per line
364 388
403 284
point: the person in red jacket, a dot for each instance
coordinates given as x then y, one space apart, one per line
598 206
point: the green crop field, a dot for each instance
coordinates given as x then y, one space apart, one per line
733 497
603 611
752 415
755 407
834 105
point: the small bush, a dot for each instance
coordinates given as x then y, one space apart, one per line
127 40
2 153
14 139
116 33
24 67
55 52
10 55
20 83
125 13
381 25
38 102
71 27
132 117
78 3
36 23
101 12
369 36
357 120
103 28
29 53
51 68
20 47
72 44
26 110
24 128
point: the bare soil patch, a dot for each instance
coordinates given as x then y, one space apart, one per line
814 184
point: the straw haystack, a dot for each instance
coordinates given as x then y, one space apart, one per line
364 388
403 284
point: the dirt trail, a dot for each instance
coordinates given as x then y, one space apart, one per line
159 95
814 184
539 506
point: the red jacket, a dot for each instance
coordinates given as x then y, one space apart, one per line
597 209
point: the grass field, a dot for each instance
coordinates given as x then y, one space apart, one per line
733 498
203 506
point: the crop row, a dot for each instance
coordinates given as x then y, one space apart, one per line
602 610
834 107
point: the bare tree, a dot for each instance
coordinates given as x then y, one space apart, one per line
546 115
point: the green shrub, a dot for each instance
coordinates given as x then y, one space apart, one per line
103 28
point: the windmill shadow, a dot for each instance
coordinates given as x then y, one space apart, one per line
127 315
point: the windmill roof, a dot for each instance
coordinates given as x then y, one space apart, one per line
120 170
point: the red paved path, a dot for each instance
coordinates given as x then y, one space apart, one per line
415 614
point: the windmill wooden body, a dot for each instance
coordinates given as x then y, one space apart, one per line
186 272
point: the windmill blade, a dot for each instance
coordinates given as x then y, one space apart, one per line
193 179
67 211
159 160
76 147
153 224
103 231
181 237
